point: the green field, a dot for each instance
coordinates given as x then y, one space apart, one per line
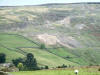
15 46
10 45
46 58
10 54
59 72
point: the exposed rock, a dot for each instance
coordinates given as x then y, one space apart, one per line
4 73
67 41
48 39
8 67
70 42
5 65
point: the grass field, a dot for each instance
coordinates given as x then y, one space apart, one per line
86 71
46 58
10 54
13 44
10 45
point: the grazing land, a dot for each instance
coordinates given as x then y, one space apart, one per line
84 71
70 33
18 46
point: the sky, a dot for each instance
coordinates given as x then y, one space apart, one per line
37 2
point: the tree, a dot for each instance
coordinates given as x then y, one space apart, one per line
17 61
2 58
64 66
31 62
42 46
46 67
20 66
99 69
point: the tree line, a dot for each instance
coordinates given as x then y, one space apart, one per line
28 63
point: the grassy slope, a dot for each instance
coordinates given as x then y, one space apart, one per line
12 45
78 14
46 58
20 45
11 40
69 55
10 54
82 56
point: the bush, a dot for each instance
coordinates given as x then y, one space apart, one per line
59 67
2 58
41 68
99 69
17 61
46 67
20 66
42 46
63 66
29 63
68 57
91 64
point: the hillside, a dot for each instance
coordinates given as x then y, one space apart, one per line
18 46
71 32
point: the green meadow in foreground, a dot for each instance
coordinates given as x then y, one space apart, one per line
85 71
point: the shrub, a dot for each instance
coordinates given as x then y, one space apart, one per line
17 61
42 46
62 66
29 63
20 66
99 69
46 67
2 58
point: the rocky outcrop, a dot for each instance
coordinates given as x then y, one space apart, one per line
8 67
48 39
4 73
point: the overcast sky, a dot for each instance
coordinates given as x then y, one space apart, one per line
36 2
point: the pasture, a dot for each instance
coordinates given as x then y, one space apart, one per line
84 71
19 45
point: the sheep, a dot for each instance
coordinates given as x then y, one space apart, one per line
76 72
